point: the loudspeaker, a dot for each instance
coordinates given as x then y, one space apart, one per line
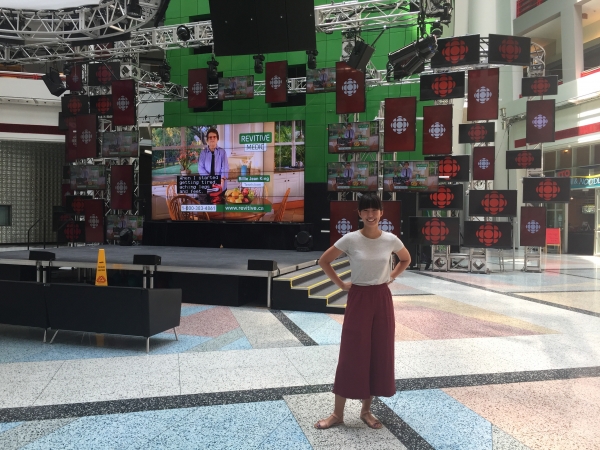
303 241
54 83
361 54
262 264
35 255
147 260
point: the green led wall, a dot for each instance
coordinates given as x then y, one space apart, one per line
320 108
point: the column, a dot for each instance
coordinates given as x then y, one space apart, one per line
572 41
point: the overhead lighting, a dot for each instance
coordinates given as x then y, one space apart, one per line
412 58
183 33
312 59
212 67
258 63
165 72
134 10
149 152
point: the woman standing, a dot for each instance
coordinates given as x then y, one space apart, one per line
366 362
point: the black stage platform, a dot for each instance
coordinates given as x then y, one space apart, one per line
217 276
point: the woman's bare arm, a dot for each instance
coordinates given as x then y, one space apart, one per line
325 262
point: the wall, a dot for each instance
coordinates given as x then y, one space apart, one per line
30 181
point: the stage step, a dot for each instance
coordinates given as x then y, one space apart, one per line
311 290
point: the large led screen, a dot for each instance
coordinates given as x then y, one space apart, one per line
320 80
493 203
447 197
88 177
546 190
258 172
120 144
352 176
434 230
407 176
487 234
117 223
235 88
353 137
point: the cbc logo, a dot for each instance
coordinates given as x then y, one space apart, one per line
533 226
94 221
539 121
121 187
123 103
275 82
483 163
386 225
483 95
350 87
399 125
197 88
343 226
86 137
437 130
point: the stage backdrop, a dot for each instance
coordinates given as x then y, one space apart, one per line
263 171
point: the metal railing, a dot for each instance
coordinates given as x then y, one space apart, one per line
527 5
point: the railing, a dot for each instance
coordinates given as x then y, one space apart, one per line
31 227
527 5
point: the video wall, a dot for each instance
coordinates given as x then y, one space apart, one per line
251 172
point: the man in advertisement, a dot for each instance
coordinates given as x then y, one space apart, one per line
213 161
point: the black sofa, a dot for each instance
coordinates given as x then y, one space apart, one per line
81 307
22 303
113 310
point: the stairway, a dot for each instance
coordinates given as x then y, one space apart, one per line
311 290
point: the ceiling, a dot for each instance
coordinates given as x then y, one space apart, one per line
37 5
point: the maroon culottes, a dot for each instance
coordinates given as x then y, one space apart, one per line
366 363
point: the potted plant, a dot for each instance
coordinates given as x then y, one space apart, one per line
185 161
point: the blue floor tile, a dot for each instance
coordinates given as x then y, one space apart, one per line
441 420
241 344
320 327
8 426
189 310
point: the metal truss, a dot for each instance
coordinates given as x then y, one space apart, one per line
354 15
79 24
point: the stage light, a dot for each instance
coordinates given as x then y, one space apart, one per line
54 83
184 33
67 67
303 241
412 58
258 63
436 29
212 67
134 10
312 58
165 72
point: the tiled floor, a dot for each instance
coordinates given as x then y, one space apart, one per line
507 360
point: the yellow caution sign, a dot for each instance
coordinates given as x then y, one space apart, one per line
101 275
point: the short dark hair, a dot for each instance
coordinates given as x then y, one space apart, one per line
212 130
369 200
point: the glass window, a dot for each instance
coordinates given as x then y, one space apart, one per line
565 159
549 160
582 156
5 216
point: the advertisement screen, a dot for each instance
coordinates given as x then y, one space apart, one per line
417 176
88 177
235 88
254 173
320 80
120 144
353 137
117 223
352 176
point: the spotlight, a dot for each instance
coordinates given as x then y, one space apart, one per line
312 58
54 83
134 10
258 63
411 59
212 67
165 72
67 67
184 33
303 242
126 237
436 29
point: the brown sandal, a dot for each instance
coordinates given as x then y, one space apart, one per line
376 424
318 425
